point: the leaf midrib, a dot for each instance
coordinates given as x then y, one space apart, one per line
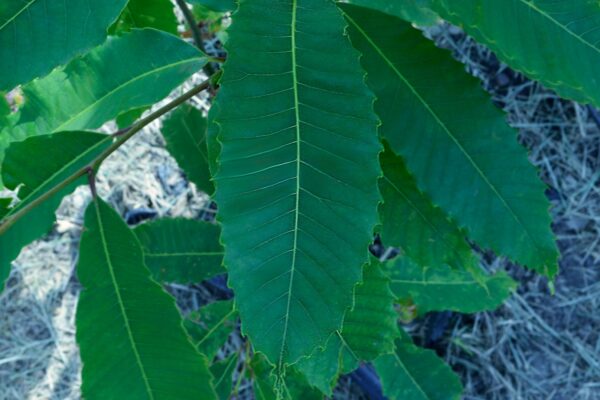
297 204
445 128
122 86
120 300
11 19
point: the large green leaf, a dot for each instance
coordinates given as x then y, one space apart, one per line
39 164
157 14
554 41
211 326
416 11
369 330
181 250
38 35
443 288
297 179
412 373
130 334
185 133
127 72
410 221
454 141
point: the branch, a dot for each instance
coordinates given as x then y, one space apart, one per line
196 33
95 163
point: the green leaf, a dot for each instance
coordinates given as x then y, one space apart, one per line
412 222
555 42
185 133
223 373
39 164
443 288
38 35
415 11
181 250
157 14
129 331
369 330
216 5
5 202
413 373
468 162
127 72
297 180
211 326
212 144
127 118
294 386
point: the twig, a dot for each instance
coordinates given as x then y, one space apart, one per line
94 164
196 33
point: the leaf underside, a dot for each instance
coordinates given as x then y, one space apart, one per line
468 163
38 35
129 331
554 41
297 179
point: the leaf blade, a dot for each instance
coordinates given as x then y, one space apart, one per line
185 132
147 354
446 289
181 250
56 157
412 373
87 102
568 58
491 190
37 51
287 323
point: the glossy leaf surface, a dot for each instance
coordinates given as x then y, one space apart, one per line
470 164
129 331
297 178
554 41
38 35
129 71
